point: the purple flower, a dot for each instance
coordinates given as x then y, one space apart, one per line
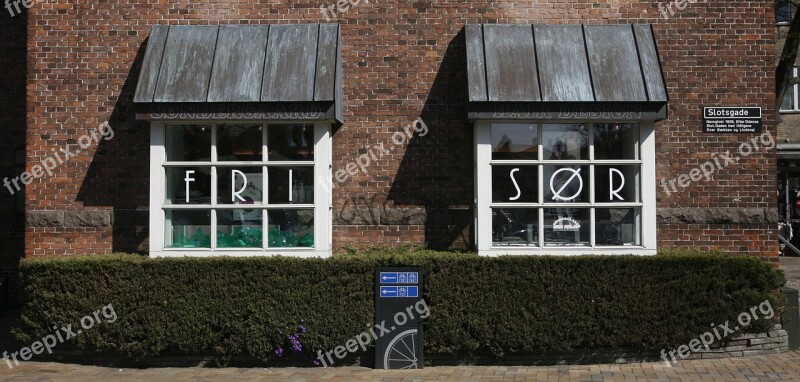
316 362
302 329
297 347
279 352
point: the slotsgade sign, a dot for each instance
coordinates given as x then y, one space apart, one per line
732 120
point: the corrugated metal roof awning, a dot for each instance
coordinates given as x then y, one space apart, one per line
241 72
565 71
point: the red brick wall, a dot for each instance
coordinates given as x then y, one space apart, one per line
402 59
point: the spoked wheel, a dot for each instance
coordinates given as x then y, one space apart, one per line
402 351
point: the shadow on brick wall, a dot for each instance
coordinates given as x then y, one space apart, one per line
436 172
13 61
118 176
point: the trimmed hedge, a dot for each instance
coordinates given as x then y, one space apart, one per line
228 306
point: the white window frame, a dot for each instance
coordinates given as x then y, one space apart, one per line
483 196
322 195
794 90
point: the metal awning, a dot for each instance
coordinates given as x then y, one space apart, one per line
564 72
241 72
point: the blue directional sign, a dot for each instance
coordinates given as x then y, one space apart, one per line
388 277
404 291
399 277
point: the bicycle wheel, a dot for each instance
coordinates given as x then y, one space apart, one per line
402 351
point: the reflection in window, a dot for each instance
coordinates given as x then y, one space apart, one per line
515 141
565 141
615 141
617 226
515 226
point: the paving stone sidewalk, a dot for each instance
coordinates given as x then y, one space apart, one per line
777 367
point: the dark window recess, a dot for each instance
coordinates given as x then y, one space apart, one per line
783 11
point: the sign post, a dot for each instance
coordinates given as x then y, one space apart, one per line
397 291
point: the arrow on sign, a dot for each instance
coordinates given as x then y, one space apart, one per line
388 291
385 277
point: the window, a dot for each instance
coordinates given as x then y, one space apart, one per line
240 188
783 12
790 98
565 187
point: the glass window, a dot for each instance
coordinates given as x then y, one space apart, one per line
239 143
515 141
291 143
565 141
584 192
239 186
790 101
189 143
783 12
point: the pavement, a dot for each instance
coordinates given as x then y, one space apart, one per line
776 367
791 267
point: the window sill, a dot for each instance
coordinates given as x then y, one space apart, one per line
572 251
232 252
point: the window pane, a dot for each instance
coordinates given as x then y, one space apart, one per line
239 143
240 228
566 227
565 141
291 185
188 229
788 99
291 228
783 12
290 142
616 184
615 140
617 226
197 180
240 185
566 184
515 141
515 227
188 143
515 184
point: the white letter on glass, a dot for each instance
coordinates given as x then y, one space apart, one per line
234 193
188 179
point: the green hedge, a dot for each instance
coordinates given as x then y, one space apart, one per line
228 306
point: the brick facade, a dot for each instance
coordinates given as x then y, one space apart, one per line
402 60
